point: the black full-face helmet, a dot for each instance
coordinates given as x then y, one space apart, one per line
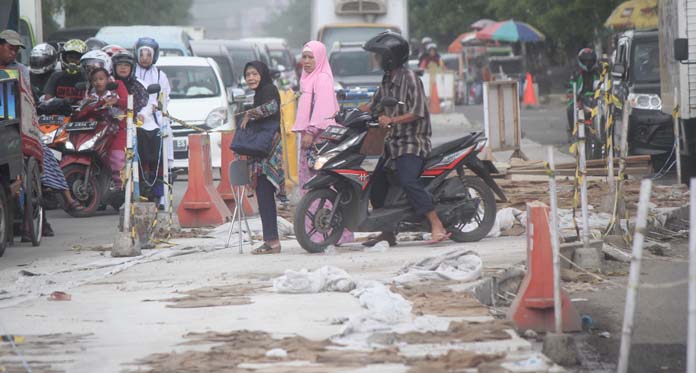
391 47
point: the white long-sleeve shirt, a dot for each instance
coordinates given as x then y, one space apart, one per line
149 76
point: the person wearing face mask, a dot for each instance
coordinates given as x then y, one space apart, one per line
267 175
150 133
315 110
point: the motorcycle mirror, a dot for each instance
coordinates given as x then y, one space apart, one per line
153 88
111 86
389 101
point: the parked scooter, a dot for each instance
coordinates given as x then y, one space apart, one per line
339 195
595 136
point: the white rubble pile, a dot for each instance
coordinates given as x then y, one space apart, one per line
384 309
327 278
459 265
505 219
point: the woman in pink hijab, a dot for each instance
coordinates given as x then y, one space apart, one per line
317 103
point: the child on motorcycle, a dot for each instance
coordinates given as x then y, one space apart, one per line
98 66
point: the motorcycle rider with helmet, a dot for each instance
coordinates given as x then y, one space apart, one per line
407 144
584 79
150 133
42 63
62 84
112 49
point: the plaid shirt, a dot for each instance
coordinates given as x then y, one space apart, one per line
412 137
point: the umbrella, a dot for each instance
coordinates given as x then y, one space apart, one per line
511 31
456 45
481 24
634 14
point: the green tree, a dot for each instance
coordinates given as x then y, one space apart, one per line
569 24
126 12
294 23
444 20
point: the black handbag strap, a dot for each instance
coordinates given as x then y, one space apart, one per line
311 107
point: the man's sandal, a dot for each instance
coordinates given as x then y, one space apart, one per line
265 249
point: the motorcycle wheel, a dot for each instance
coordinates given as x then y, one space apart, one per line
4 219
312 221
482 223
89 193
33 211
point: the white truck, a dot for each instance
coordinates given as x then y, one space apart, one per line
677 39
357 20
23 16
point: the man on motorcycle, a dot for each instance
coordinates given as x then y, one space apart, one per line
408 142
584 79
42 64
149 134
62 83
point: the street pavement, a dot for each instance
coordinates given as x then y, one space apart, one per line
108 293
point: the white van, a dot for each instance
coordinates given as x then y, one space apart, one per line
199 98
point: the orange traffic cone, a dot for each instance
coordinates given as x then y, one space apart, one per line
434 100
529 98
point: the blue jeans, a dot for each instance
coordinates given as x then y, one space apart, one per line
409 168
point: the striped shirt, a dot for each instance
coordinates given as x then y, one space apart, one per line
412 137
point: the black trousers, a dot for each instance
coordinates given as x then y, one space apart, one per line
265 196
409 168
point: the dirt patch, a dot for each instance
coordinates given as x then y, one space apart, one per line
162 232
213 296
453 361
244 346
458 332
520 192
41 346
439 300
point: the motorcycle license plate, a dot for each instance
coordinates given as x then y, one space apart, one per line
180 144
81 126
56 120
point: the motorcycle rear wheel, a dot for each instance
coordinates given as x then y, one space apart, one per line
89 194
311 221
33 211
482 223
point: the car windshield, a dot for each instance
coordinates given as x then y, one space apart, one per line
330 35
192 81
171 52
281 57
646 61
225 70
353 63
240 57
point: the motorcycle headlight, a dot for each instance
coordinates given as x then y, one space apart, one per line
69 145
89 144
323 160
47 138
645 101
216 118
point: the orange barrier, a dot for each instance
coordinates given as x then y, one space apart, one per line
533 306
225 188
434 99
202 205
529 98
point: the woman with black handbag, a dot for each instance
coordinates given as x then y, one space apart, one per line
260 129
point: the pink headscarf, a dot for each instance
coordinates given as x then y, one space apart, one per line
321 83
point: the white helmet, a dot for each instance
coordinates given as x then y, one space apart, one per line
95 60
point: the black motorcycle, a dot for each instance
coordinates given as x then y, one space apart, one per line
338 196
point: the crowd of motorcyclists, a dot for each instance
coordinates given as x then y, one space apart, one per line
83 86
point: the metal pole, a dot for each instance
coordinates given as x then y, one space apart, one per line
610 138
575 107
583 182
677 141
130 133
634 275
165 133
555 243
691 336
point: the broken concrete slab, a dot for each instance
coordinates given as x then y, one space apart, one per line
614 253
124 246
560 348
